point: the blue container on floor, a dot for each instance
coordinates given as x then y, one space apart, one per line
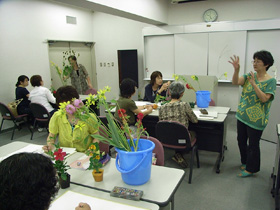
203 98
135 167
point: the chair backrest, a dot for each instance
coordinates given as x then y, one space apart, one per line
5 112
91 91
173 134
158 150
39 111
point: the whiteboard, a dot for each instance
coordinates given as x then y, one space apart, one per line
223 45
191 51
159 55
264 40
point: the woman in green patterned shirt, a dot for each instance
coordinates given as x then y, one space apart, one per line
253 110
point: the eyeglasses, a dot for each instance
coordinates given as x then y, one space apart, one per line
256 62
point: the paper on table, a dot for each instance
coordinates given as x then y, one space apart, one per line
81 163
70 200
38 149
211 114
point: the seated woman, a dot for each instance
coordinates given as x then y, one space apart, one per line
179 111
127 90
41 95
64 124
155 87
28 188
23 93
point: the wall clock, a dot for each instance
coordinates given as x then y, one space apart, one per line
210 15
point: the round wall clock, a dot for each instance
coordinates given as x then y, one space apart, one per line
210 15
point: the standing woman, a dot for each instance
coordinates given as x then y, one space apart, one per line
253 110
155 87
23 93
79 76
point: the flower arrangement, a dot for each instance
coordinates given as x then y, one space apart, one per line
95 156
59 158
67 69
194 78
119 136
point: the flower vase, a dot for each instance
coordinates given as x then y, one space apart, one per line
64 183
98 176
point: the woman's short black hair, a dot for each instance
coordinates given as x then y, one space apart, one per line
27 182
154 75
21 78
265 57
73 57
66 93
35 80
127 87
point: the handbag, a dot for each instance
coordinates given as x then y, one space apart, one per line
13 106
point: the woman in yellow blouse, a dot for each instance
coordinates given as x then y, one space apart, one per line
67 126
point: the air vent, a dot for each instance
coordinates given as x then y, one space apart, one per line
71 20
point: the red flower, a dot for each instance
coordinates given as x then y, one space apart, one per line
121 113
54 92
140 116
188 86
59 155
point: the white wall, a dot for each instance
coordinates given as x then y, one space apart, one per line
228 10
24 27
113 33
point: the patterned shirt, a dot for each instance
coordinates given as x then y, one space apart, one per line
251 111
72 137
79 79
177 111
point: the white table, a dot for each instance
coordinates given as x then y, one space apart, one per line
106 196
160 189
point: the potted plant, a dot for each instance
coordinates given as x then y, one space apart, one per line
132 150
59 158
94 161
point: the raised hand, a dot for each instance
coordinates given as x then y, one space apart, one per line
235 62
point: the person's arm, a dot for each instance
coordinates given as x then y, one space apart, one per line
264 97
50 142
163 87
236 80
190 114
50 96
148 110
89 83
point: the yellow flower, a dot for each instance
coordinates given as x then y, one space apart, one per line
90 154
176 77
62 106
225 75
194 77
92 147
107 88
80 126
97 157
90 100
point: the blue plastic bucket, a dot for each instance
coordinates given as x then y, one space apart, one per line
135 167
203 98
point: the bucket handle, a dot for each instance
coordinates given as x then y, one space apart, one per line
125 172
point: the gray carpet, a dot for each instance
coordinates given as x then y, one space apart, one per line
208 189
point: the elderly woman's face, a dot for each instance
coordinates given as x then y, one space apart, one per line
159 80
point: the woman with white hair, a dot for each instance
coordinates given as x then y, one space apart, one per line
179 111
